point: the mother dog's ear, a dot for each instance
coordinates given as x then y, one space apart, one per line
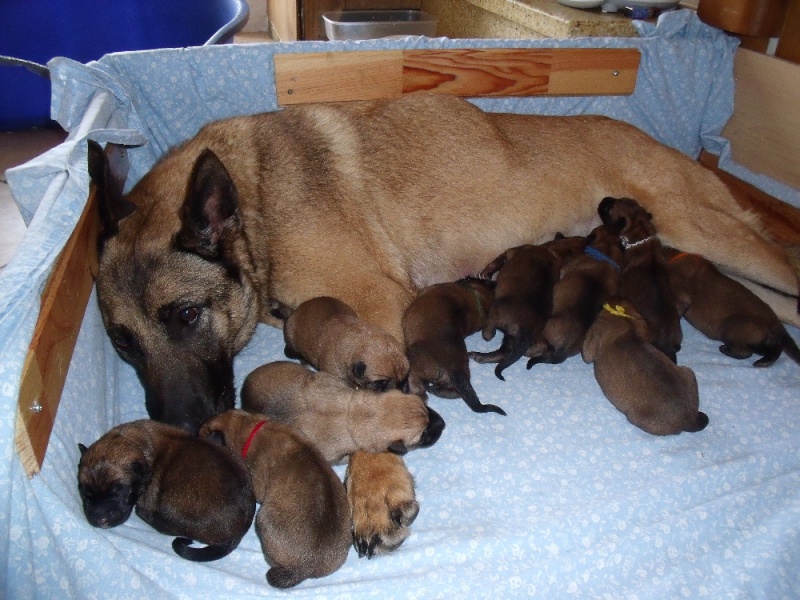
210 213
108 170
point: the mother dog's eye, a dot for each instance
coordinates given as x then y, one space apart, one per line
122 341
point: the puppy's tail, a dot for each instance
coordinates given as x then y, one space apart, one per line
513 348
183 548
464 388
284 577
790 347
699 423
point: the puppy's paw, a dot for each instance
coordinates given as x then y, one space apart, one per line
380 491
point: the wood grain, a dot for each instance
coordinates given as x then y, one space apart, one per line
327 77
45 369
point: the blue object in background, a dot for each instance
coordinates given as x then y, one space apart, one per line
85 30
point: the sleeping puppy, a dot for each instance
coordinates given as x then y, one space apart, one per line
336 418
434 326
178 484
724 310
586 281
304 519
645 278
523 298
327 334
655 394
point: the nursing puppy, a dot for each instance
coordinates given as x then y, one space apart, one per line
336 418
369 202
726 311
655 394
586 281
304 519
523 298
645 278
178 484
327 334
434 326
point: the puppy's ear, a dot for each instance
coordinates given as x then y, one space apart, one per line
82 448
398 447
210 213
140 481
494 266
359 369
216 437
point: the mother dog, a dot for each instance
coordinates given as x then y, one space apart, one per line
369 202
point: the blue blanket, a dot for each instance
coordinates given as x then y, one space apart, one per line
562 498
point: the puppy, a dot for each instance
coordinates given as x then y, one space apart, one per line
523 299
336 418
304 519
327 334
645 278
434 326
724 310
655 394
178 484
586 281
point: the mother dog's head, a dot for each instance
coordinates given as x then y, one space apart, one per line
174 282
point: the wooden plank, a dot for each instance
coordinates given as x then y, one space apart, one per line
345 76
45 369
765 127
338 76
593 71
781 220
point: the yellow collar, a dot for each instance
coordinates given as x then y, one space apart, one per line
617 310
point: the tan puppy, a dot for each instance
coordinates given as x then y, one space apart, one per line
304 519
434 326
725 310
327 334
645 278
523 298
178 484
336 418
586 281
655 394
369 202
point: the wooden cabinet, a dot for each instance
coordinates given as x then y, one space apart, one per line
302 19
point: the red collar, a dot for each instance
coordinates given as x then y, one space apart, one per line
249 441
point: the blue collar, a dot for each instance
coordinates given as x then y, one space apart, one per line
597 255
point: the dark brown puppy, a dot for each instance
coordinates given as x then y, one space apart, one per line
655 394
724 310
586 281
645 278
523 298
327 334
178 484
434 326
336 418
304 520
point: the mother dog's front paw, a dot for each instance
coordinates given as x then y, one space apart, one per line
382 502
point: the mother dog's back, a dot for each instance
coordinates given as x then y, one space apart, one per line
426 189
